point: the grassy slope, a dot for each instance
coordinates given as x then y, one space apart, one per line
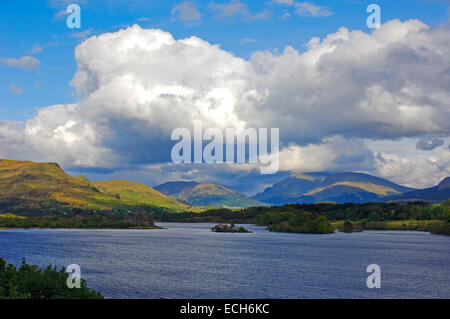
12 216
139 194
37 185
34 183
368 187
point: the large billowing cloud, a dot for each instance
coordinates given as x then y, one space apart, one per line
137 85
391 84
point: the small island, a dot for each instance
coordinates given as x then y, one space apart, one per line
232 228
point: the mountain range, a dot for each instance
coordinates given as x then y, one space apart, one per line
438 193
207 194
330 187
45 186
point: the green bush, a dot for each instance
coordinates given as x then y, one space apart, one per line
441 229
301 222
348 227
31 282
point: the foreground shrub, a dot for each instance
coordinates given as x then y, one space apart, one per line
32 282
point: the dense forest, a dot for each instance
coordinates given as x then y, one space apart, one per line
299 218
316 218
83 220
348 211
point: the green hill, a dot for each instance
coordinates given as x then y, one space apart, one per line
45 185
139 194
207 194
30 186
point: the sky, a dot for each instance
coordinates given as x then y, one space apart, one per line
103 99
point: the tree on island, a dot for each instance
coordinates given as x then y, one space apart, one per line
220 228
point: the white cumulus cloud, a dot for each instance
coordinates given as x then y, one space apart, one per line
136 85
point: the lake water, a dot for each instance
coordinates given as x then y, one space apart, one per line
189 261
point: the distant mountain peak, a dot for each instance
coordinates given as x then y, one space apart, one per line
444 184
445 181
438 193
337 187
207 194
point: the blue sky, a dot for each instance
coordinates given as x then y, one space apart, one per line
28 24
340 106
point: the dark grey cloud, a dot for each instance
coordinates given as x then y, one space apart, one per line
429 144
